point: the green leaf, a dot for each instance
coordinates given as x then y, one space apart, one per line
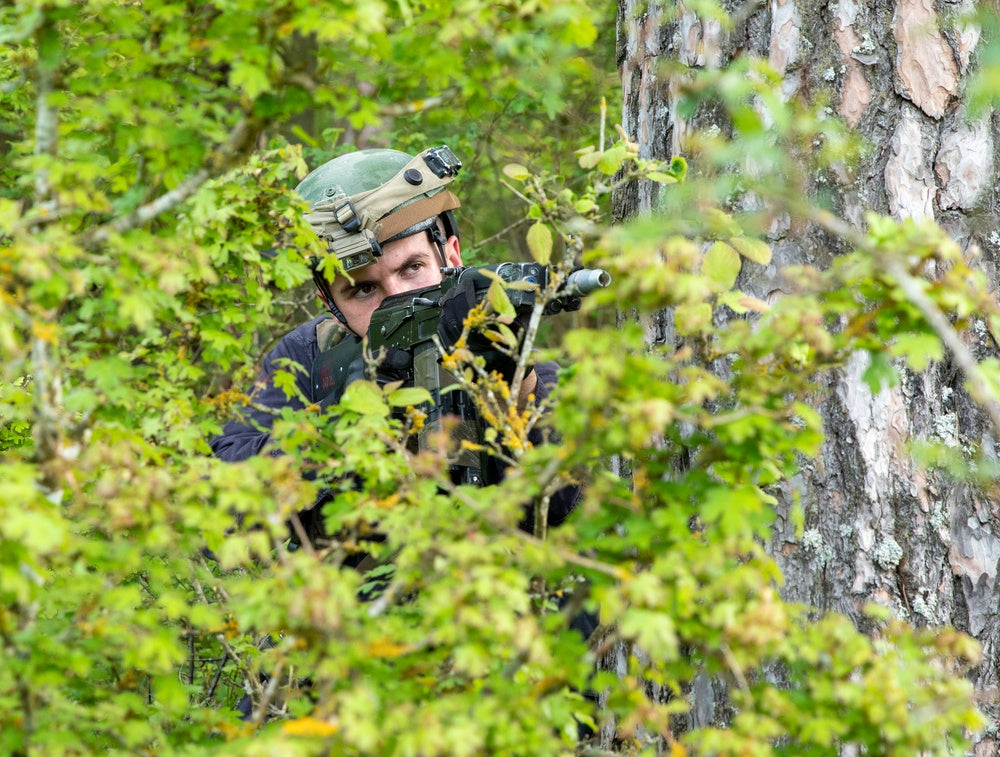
918 349
10 212
364 398
612 160
590 160
171 694
752 249
540 243
497 297
409 395
250 78
653 632
678 167
516 171
693 318
721 265
661 178
880 373
733 299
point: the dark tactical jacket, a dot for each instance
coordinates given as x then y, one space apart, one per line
247 436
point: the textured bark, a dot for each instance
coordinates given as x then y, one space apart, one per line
877 527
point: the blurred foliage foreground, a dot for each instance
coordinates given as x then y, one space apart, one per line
120 631
140 578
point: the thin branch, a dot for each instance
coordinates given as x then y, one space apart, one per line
217 677
979 386
517 194
46 116
502 232
417 106
300 531
244 669
541 517
526 347
604 120
734 667
260 711
239 138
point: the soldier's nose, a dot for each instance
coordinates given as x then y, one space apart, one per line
394 287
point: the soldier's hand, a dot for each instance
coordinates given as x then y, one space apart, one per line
396 365
455 308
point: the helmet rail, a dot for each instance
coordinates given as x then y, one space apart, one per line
355 226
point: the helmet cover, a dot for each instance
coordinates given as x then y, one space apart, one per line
361 200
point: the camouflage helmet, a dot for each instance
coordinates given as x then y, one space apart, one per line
362 200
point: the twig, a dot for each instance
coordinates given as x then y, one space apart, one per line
734 666
239 138
541 515
300 531
46 116
190 658
502 232
417 106
244 669
519 195
979 387
260 711
526 346
218 676
604 119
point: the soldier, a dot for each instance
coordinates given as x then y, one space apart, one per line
388 217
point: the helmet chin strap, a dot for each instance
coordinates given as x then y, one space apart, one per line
326 295
438 239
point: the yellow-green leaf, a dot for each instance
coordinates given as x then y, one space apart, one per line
540 243
720 223
365 398
690 319
611 160
721 265
756 250
499 301
661 178
918 349
516 171
409 395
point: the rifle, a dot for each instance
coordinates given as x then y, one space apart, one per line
409 322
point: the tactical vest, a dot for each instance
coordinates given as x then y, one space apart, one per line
338 348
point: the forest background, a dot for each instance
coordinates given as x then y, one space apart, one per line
783 409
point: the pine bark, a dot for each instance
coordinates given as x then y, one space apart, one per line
878 528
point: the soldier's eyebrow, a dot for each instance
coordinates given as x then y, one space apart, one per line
345 285
414 257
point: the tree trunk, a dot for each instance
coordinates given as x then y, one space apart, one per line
878 528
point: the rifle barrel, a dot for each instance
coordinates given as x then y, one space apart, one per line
586 280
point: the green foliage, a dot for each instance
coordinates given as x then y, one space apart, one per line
149 242
985 82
